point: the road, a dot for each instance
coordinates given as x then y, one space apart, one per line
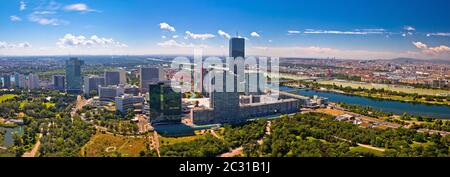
156 142
35 149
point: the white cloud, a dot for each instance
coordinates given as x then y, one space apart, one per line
70 40
172 43
15 18
420 45
46 18
404 34
175 36
439 34
355 32
223 34
293 32
199 36
439 50
5 45
166 26
80 7
163 37
254 34
22 6
409 28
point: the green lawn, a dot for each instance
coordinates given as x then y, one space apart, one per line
6 97
164 141
367 150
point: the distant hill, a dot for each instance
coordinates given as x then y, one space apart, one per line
415 60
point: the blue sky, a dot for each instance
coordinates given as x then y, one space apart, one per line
369 29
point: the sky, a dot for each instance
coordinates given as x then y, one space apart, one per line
350 29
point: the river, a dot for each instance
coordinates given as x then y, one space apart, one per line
396 107
8 140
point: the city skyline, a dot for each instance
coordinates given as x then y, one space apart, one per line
350 30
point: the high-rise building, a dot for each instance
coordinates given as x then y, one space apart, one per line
165 103
150 76
22 81
123 76
59 82
225 103
237 47
6 81
112 78
73 75
33 81
92 83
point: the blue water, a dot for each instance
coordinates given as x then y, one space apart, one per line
8 138
396 107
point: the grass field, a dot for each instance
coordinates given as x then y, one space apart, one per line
105 145
403 89
6 97
367 150
165 141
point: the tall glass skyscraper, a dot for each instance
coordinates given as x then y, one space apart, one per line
226 104
237 47
74 79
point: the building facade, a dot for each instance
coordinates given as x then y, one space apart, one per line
74 75
165 103
150 76
59 82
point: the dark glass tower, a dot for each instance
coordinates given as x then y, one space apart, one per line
74 80
226 104
164 100
237 47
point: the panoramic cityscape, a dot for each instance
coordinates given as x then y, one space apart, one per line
224 79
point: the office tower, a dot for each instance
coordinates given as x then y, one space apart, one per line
112 78
16 80
33 81
22 81
164 100
6 81
59 82
92 83
123 76
150 76
237 47
226 104
109 93
73 75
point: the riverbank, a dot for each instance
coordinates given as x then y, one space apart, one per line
390 106
374 93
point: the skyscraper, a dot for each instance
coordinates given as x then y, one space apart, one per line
150 76
226 104
33 81
123 76
237 47
59 82
112 78
73 75
6 81
165 103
